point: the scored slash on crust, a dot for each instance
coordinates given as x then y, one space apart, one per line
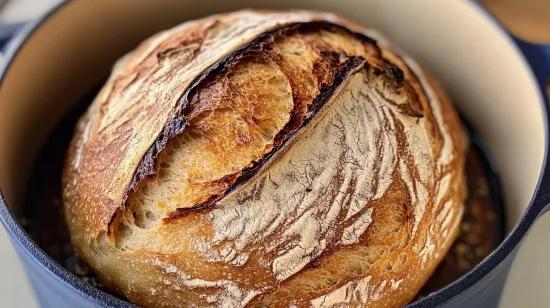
148 166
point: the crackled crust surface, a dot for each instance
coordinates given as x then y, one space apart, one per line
266 159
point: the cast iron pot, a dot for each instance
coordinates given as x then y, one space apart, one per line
55 60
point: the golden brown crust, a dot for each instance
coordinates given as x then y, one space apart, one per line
126 102
266 159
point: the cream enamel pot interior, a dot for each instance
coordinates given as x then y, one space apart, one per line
54 61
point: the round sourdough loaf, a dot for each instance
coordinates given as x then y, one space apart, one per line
266 159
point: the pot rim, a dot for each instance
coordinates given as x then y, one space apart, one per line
539 200
18 236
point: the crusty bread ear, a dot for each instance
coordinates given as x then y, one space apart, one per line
266 159
232 123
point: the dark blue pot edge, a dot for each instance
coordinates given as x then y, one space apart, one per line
18 235
537 206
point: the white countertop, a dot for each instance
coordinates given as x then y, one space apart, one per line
528 284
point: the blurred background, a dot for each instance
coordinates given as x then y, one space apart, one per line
527 19
18 10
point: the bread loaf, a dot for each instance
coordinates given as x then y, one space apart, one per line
266 159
